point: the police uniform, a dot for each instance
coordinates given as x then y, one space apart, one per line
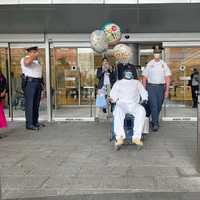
127 93
155 73
32 75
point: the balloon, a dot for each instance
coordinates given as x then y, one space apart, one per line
123 53
113 33
98 41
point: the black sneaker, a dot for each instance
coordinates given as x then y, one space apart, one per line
155 128
40 125
104 110
32 128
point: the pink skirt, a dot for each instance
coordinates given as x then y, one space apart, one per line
3 123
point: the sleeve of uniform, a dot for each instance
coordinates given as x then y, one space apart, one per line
142 91
146 70
167 70
114 93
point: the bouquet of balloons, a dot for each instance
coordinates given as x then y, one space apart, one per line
108 36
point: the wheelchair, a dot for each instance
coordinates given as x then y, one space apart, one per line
128 128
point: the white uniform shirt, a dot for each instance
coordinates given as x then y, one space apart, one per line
33 70
128 91
155 72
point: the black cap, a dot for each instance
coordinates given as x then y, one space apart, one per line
35 48
157 49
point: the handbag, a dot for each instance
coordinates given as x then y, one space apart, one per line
101 101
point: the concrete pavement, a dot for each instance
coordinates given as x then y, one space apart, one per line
77 158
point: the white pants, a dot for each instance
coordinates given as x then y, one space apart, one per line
139 114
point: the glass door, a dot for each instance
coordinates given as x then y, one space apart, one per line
73 82
182 61
17 51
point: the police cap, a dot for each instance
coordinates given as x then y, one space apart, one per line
35 48
157 49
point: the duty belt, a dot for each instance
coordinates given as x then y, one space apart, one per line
156 84
33 79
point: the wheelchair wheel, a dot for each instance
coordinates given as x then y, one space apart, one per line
117 147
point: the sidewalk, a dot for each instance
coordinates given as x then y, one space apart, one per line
77 158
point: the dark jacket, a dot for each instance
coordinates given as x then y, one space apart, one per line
121 68
100 76
3 84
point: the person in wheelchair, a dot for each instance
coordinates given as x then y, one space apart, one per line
126 93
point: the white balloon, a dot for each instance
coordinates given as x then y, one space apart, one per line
123 53
98 41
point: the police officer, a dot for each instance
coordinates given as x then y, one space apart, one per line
156 78
126 93
32 85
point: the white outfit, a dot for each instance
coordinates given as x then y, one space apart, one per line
33 70
155 72
126 94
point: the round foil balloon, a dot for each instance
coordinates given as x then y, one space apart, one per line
98 41
113 33
123 53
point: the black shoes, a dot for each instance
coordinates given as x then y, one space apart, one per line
40 125
104 110
155 128
32 128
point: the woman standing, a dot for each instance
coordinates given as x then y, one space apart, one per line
3 90
106 78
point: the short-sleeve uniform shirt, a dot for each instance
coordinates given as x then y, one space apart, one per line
155 72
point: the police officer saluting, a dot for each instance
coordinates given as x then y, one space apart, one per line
32 86
156 79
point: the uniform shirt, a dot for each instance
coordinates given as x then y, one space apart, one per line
33 70
155 72
128 91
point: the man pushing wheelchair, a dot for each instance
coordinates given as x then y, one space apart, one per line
127 93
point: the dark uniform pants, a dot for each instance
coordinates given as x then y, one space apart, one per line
195 89
156 98
32 94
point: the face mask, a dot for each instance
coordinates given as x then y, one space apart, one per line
156 55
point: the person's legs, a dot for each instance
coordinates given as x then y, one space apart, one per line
3 123
194 95
29 101
119 116
160 99
153 104
139 119
36 104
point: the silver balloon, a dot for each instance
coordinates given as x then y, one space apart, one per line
98 41
123 53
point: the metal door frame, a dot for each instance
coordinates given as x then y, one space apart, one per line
72 44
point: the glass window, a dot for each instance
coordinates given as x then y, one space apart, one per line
181 61
73 82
